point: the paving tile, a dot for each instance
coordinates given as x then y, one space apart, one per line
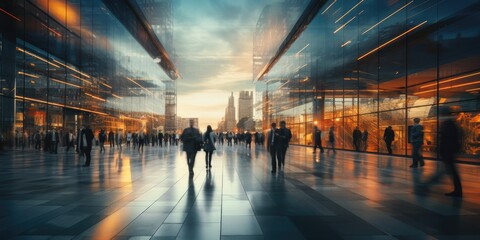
151 196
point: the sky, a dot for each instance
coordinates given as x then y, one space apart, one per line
213 52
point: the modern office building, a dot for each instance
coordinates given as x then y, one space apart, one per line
68 63
230 120
245 104
373 64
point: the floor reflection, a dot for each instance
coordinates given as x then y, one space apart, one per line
126 194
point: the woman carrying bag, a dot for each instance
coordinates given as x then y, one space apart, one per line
209 146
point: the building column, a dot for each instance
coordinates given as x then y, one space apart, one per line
7 72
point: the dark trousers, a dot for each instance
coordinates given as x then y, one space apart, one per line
449 162
38 144
111 143
53 147
389 146
281 152
416 154
69 144
191 160
86 152
102 146
140 145
319 145
208 158
273 154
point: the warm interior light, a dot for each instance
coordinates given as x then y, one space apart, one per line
117 96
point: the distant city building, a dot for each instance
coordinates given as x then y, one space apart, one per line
245 105
230 121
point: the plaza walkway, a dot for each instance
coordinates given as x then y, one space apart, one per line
127 195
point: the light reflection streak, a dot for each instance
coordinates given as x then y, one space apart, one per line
449 87
37 57
345 24
10 15
133 81
95 97
70 84
404 6
73 69
58 105
391 40
77 77
450 80
28 75
345 14
346 43
329 7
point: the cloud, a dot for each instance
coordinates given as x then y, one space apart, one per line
214 49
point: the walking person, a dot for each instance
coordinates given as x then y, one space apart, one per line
190 138
248 140
85 137
129 139
416 139
388 137
119 138
317 139
284 136
450 144
54 141
102 136
331 140
209 139
272 144
111 139
160 139
365 140
69 139
357 137
37 138
141 141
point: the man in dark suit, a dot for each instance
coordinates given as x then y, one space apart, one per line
317 136
190 138
85 137
449 145
272 145
388 137
160 139
54 141
284 136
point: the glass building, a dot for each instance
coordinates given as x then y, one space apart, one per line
65 63
371 64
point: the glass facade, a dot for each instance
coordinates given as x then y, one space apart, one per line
374 64
70 62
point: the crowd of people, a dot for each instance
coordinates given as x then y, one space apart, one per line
277 142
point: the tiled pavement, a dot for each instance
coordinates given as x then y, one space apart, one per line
127 195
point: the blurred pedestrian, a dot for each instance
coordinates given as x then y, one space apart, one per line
389 137
331 140
416 139
209 139
191 138
317 139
